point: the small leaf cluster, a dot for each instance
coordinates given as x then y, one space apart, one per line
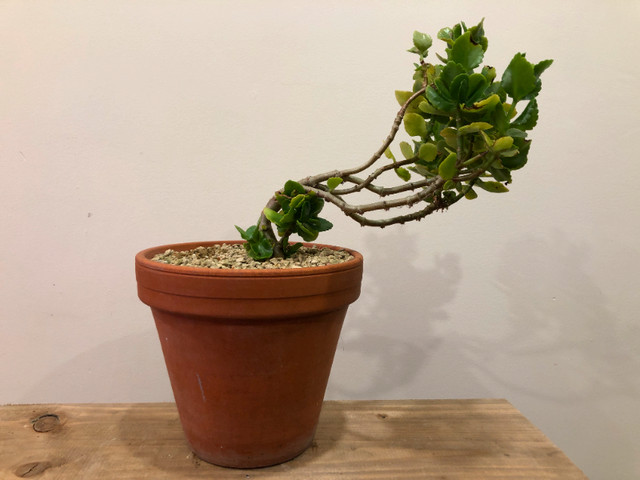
297 214
465 125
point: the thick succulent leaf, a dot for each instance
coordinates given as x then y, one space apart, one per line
450 136
446 34
389 154
439 101
450 71
477 86
403 173
465 52
291 249
258 246
406 149
427 152
516 133
459 88
474 127
483 107
307 233
317 204
493 187
283 201
500 174
415 125
292 188
297 201
519 78
333 182
321 224
471 194
246 234
422 42
528 118
503 143
426 107
489 73
273 216
402 96
447 168
541 67
520 159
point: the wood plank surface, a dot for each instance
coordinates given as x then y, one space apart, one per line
413 439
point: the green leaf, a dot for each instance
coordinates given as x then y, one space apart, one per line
291 249
465 52
333 182
283 201
406 150
427 152
317 204
403 173
493 187
292 188
481 110
446 34
450 136
516 133
474 127
389 154
422 42
503 143
426 107
541 67
307 233
245 234
273 216
477 85
450 71
459 88
519 78
257 244
440 101
471 194
520 159
447 168
528 118
415 125
321 224
489 73
402 97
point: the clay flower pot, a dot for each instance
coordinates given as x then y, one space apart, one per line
248 352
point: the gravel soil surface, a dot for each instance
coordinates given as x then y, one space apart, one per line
234 256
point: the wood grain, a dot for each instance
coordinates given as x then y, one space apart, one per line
414 439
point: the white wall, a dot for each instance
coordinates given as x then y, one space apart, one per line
126 124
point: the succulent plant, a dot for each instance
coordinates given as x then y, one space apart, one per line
466 134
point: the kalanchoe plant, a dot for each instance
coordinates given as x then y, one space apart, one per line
466 134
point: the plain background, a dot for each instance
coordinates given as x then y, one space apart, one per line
129 124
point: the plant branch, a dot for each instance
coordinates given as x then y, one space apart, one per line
322 177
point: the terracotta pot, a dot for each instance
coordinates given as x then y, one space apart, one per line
248 351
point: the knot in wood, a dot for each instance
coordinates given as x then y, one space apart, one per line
46 423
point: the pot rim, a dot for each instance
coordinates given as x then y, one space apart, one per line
143 259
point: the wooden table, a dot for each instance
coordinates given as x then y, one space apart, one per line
415 439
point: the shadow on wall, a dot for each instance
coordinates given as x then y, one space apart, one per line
563 354
559 329
384 362
128 369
